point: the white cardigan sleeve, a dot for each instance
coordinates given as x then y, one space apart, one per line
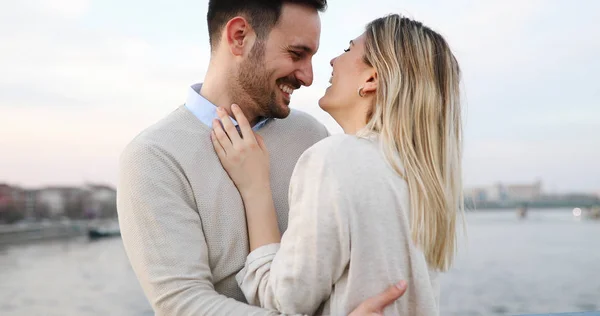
297 275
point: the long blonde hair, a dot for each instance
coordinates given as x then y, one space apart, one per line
418 117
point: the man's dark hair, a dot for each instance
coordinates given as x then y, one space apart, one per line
261 14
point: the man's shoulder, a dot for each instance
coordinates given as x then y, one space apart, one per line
301 116
163 133
302 122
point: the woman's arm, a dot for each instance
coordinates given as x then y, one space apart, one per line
246 160
261 219
297 275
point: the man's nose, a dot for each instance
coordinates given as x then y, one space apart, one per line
305 74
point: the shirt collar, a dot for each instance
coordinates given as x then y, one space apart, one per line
205 111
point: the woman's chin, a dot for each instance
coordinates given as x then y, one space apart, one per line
323 102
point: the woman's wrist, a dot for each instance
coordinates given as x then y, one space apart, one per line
257 191
258 204
261 217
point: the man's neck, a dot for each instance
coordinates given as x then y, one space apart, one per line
215 89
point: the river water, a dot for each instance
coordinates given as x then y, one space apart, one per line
549 262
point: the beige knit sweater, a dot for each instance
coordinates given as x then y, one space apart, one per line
182 220
348 238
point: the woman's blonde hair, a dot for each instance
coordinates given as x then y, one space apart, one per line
418 117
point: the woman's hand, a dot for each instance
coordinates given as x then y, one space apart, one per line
246 160
243 155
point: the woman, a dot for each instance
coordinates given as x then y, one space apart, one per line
387 192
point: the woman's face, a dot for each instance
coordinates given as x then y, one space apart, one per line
350 73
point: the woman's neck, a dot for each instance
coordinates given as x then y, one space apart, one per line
352 129
352 123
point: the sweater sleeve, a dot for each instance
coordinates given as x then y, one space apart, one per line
163 237
297 275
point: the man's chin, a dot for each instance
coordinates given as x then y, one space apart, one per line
281 111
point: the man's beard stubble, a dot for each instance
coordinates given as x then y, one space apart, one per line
254 83
253 80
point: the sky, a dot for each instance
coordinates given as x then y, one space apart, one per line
80 78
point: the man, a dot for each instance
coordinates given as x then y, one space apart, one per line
182 219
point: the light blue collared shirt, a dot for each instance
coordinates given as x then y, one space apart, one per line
205 111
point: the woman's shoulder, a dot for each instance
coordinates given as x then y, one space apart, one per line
337 145
341 150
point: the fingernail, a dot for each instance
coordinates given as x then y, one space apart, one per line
401 285
235 106
219 109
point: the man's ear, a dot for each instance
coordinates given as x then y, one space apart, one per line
372 83
239 35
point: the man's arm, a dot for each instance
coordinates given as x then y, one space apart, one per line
163 237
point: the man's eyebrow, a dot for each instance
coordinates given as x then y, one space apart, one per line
303 48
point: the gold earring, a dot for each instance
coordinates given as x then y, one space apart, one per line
360 92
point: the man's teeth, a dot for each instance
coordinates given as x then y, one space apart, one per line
286 89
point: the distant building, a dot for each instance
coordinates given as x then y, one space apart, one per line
496 193
12 203
55 202
30 207
502 193
99 201
6 195
525 192
476 194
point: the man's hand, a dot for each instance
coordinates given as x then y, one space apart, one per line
375 305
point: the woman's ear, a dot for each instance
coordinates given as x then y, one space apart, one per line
372 83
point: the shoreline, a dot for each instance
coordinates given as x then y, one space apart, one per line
41 231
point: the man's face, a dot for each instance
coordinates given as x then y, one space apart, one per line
281 64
